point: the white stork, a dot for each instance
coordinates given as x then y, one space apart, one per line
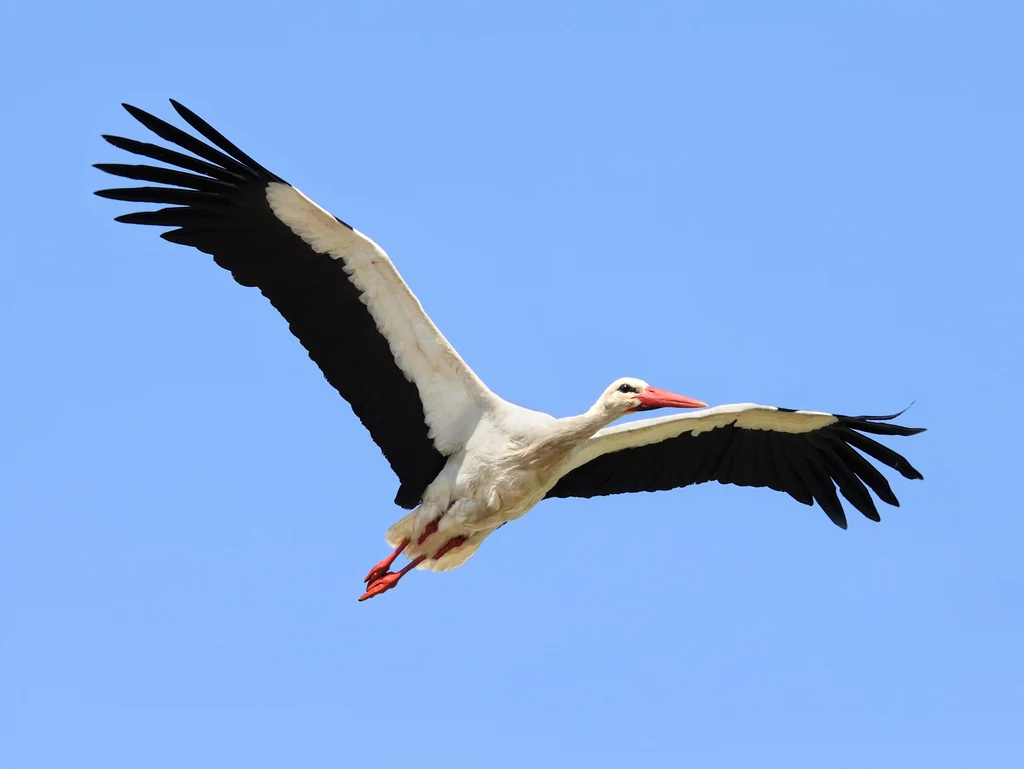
467 460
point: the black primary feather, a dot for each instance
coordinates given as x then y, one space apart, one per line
810 466
217 203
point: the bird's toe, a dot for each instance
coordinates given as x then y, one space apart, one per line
381 585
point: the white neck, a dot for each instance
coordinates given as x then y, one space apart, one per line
568 433
575 430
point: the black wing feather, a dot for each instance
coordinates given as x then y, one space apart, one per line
159 175
175 135
171 157
807 466
790 479
218 204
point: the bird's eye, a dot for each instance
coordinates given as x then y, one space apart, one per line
627 388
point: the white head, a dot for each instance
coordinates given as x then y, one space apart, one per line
631 394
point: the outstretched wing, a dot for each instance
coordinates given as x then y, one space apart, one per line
806 454
341 295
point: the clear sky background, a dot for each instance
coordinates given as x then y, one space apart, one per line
814 205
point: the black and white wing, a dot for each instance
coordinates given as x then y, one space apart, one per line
806 454
341 295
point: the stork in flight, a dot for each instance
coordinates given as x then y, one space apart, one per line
467 460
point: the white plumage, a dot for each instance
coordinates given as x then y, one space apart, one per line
469 461
453 397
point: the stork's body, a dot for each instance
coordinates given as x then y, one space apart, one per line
467 460
511 460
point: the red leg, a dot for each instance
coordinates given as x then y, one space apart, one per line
389 580
431 529
381 568
451 544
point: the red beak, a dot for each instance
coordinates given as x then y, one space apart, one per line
653 398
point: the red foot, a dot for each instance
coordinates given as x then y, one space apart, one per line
381 568
378 571
389 580
380 580
381 585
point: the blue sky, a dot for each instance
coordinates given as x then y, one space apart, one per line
804 204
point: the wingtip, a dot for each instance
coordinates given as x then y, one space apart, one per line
132 218
907 470
909 430
905 410
147 119
185 113
879 424
890 417
139 114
